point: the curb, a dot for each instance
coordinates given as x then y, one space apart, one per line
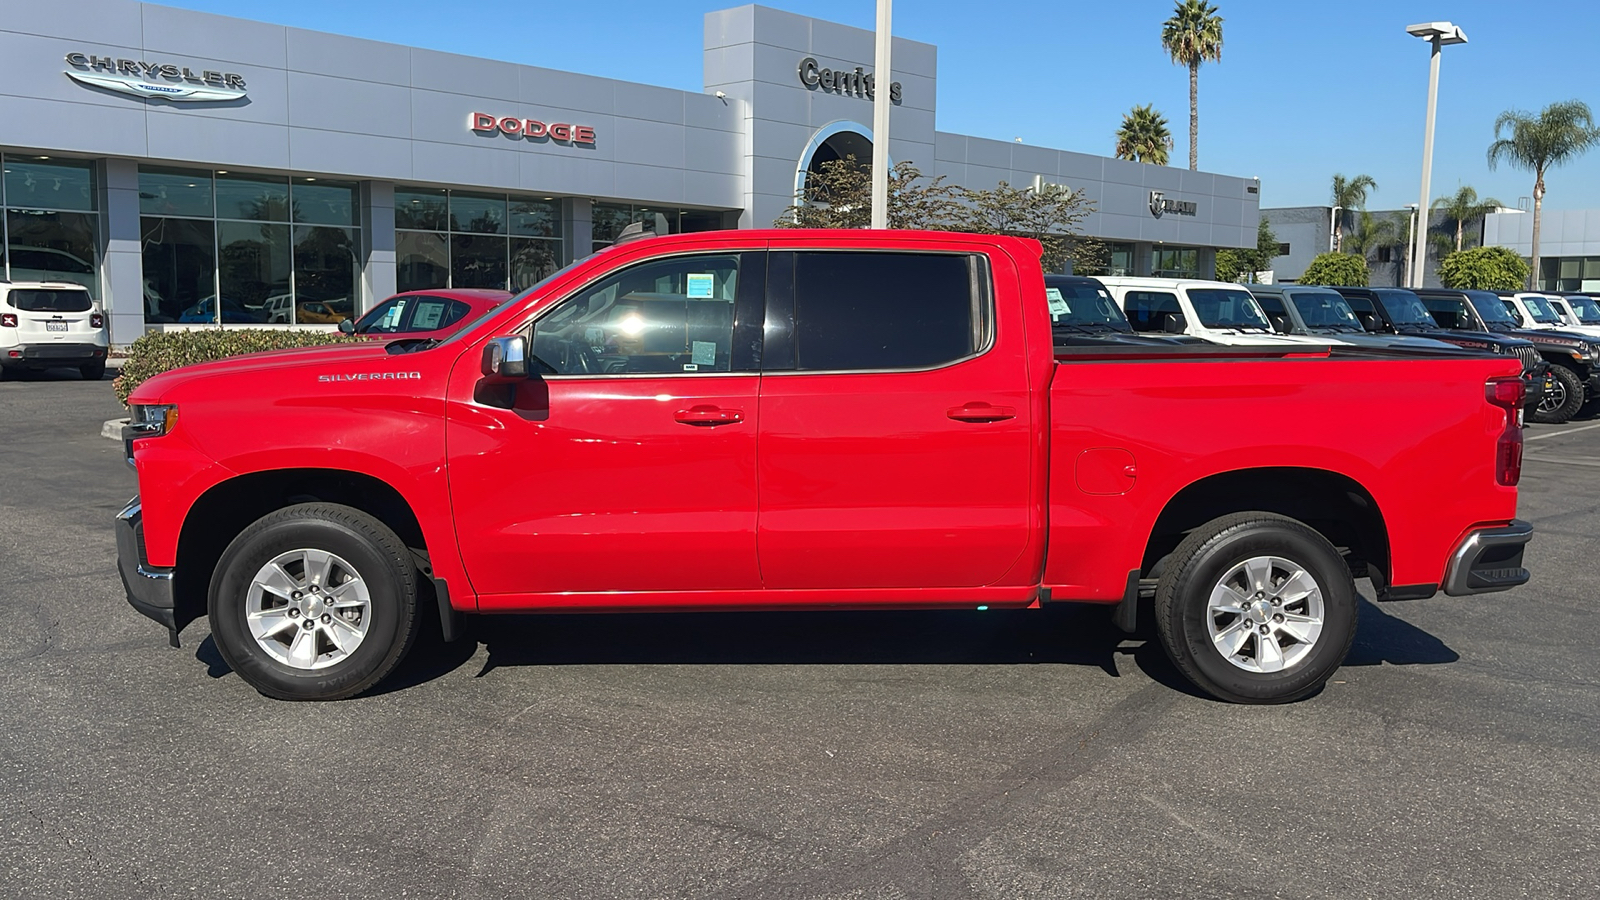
112 428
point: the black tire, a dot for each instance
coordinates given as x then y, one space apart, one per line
93 371
374 551
1554 410
1199 564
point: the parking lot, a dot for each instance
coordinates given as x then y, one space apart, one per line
819 755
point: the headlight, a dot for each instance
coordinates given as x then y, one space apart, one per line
153 420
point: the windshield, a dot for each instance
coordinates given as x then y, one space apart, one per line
1491 309
51 301
1325 310
1587 311
535 288
1224 308
1405 308
1539 308
1083 305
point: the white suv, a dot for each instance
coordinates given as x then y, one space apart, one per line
46 324
1215 311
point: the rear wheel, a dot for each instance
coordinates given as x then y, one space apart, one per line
314 602
93 371
1562 399
1256 608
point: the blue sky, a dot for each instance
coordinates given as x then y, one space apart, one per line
1303 90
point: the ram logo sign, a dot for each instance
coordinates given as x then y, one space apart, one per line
1160 205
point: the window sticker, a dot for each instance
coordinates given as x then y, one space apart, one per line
700 286
703 353
426 318
1058 303
391 319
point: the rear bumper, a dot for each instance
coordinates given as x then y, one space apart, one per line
1489 560
149 588
52 354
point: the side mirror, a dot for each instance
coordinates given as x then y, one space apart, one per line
506 358
347 327
1174 323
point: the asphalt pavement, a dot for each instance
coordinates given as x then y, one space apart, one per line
818 755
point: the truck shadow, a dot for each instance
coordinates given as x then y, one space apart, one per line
1063 635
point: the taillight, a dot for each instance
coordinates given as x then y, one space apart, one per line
1509 394
8 320
96 320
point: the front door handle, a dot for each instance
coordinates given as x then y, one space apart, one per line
981 412
709 416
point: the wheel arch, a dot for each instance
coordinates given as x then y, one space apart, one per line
1335 505
228 507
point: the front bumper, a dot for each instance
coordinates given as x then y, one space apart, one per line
1489 560
149 588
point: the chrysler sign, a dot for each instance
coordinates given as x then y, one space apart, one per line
161 81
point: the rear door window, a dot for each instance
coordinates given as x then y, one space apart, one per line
1148 310
53 301
855 311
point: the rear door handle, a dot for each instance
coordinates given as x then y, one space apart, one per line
709 416
980 412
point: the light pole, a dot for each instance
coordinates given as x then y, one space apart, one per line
1410 256
1333 216
1439 34
880 120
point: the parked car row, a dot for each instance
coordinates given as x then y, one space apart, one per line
1556 337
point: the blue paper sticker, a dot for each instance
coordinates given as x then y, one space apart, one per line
700 286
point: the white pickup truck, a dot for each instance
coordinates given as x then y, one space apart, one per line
1215 311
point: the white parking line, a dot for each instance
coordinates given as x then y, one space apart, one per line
1540 437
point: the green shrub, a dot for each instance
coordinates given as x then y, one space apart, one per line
161 351
1484 269
1344 269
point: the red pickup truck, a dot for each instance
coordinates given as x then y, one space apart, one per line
812 419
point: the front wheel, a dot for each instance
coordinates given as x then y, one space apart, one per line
1562 399
314 602
1256 608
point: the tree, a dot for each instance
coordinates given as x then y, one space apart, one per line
839 195
1232 264
1351 195
1484 269
1144 136
1192 36
1336 268
1464 206
1560 133
1050 215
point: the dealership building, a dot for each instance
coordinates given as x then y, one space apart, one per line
192 168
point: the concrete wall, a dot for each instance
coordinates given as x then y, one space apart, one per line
1562 232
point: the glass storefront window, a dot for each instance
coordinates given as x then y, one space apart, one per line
175 192
223 248
422 260
318 202
486 240
52 246
420 209
1177 262
49 184
477 213
608 220
253 266
180 269
252 197
477 261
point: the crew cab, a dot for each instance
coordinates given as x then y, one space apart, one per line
1399 311
793 419
1214 311
1573 358
50 324
1082 313
1322 311
1533 311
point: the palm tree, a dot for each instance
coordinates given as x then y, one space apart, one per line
1350 195
1463 207
1560 133
1144 136
1192 36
